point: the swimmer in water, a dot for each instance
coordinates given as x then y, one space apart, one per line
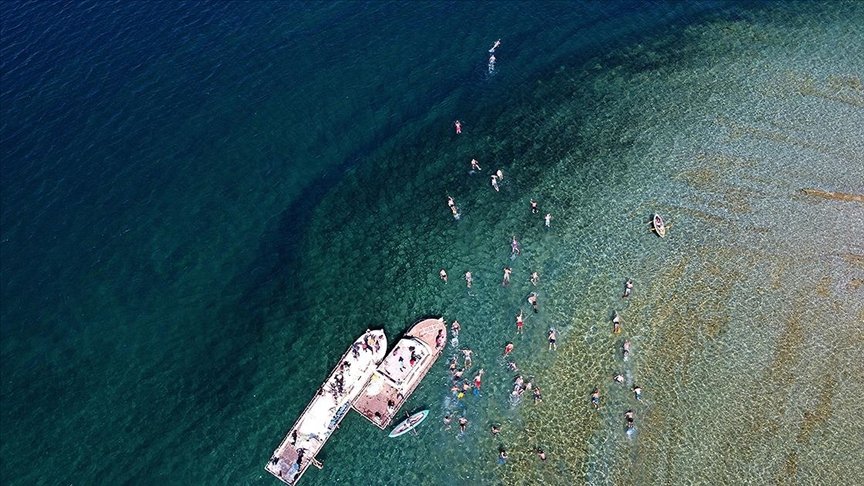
496 429
532 299
506 280
455 327
495 46
548 219
514 247
508 349
491 63
443 275
534 208
628 288
626 349
616 324
595 398
520 322
502 456
463 422
538 397
535 277
475 165
495 183
629 416
541 454
458 126
447 421
637 391
468 279
466 355
553 336
500 174
619 378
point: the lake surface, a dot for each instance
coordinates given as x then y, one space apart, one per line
204 204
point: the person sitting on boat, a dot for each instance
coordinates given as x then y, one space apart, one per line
391 407
439 339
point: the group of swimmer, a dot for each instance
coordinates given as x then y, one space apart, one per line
629 415
460 386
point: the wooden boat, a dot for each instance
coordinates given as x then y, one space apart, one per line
409 424
401 371
658 225
329 406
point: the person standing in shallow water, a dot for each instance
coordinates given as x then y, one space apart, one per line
534 208
628 288
458 125
535 277
548 219
506 280
553 338
514 247
443 275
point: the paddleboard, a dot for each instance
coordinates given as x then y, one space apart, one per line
409 424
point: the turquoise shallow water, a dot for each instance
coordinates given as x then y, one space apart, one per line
201 215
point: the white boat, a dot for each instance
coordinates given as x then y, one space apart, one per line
401 371
329 406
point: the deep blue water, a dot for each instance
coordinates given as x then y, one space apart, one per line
160 163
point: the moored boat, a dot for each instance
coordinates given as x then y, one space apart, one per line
401 371
658 225
329 406
409 424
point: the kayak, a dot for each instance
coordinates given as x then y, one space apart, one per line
409 424
659 226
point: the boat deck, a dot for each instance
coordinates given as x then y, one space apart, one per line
401 371
330 404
